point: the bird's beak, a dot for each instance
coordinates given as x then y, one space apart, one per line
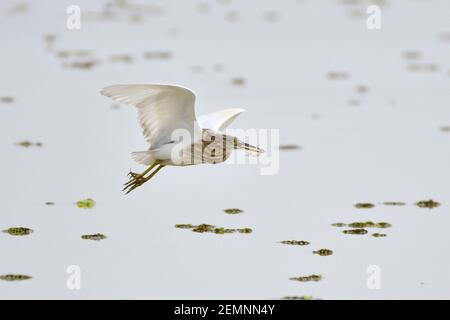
250 148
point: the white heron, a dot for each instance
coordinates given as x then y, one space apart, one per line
163 109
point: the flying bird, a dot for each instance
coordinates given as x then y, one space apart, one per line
164 109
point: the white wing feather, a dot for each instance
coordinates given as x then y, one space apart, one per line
161 109
219 120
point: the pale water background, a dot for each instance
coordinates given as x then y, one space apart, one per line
389 148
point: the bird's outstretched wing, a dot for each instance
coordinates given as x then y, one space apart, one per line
219 120
162 109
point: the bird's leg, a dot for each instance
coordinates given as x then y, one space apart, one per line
138 179
137 175
141 180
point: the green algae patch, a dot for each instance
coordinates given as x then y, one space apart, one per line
14 277
86 204
95 237
18 231
379 235
313 277
430 204
364 205
394 203
184 226
295 242
369 224
323 252
339 224
233 211
355 231
28 144
209 228
245 230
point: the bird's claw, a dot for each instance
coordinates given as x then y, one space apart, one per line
133 184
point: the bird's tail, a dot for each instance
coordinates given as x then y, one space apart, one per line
143 157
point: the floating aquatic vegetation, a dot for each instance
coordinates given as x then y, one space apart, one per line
364 205
14 277
49 203
86 204
383 225
298 298
394 203
379 235
430 204
355 231
313 277
27 144
7 99
63 54
323 252
20 7
162 55
339 224
289 147
362 89
338 75
84 65
95 237
412 55
121 58
184 226
244 230
19 231
369 224
295 242
233 211
238 81
201 228
423 67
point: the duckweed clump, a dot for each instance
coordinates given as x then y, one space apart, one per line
355 231
369 224
313 277
14 277
233 211
27 144
323 252
201 228
295 242
18 231
339 224
379 235
86 204
430 204
394 203
364 205
95 237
